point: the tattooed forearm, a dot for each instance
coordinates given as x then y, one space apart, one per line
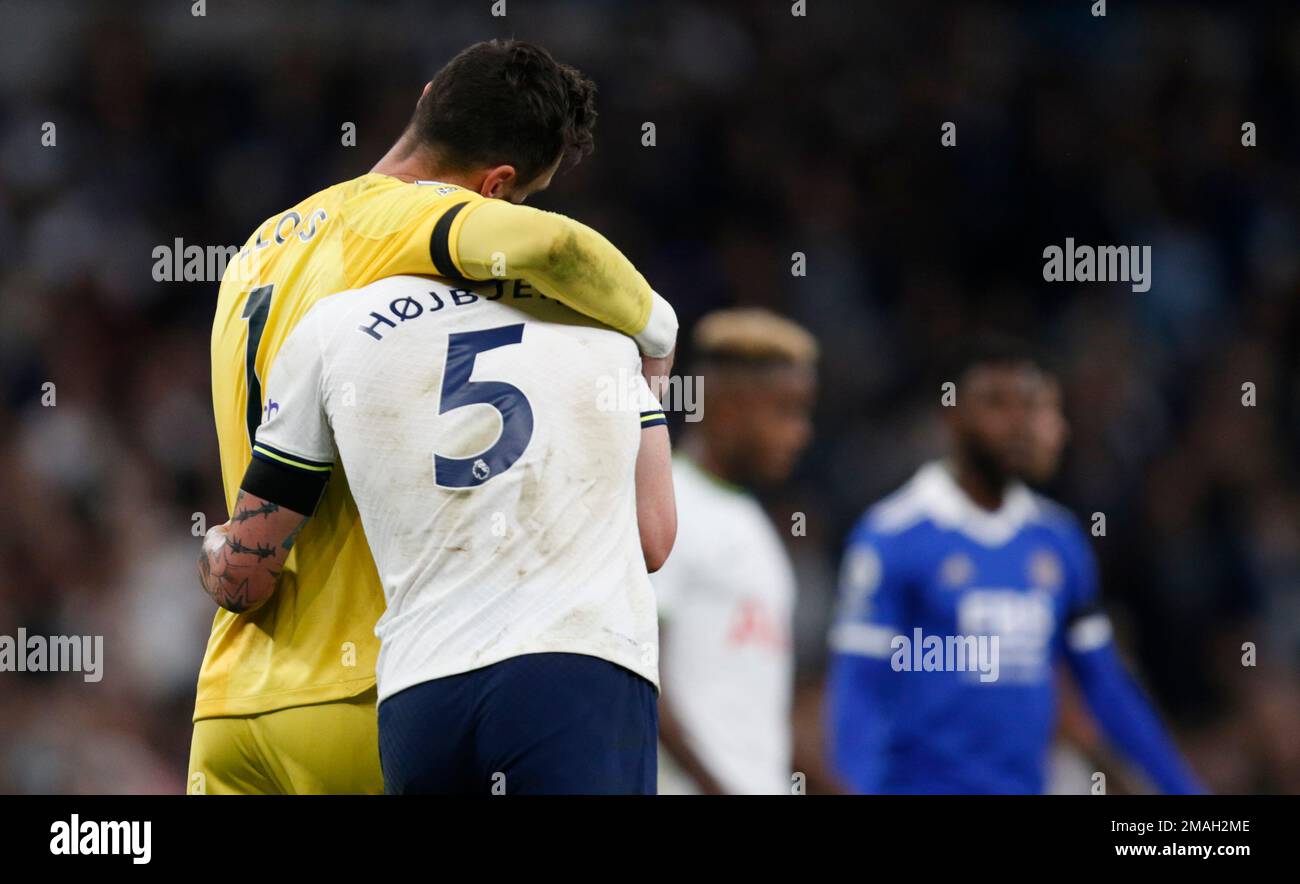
241 560
292 538
260 552
242 515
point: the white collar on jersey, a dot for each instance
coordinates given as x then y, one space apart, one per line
934 493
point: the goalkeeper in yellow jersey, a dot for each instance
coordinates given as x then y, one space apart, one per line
286 694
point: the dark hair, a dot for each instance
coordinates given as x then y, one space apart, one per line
991 348
507 102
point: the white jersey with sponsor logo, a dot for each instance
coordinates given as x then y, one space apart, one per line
489 437
726 598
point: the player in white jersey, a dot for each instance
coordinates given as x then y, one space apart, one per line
726 597
514 512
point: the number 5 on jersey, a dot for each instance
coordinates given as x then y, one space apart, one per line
459 391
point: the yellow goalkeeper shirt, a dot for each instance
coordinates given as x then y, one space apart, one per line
314 641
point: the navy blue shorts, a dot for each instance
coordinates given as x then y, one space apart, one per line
539 724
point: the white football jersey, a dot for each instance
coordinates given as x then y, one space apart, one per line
489 436
726 599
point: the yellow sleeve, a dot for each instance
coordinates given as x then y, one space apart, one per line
404 229
459 235
565 260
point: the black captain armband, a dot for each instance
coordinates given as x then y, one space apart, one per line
653 418
288 480
440 245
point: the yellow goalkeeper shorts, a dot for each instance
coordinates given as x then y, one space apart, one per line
322 749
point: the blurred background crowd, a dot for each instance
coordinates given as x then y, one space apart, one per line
774 134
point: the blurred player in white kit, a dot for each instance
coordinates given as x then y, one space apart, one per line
726 596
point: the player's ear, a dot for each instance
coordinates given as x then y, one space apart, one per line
498 181
427 87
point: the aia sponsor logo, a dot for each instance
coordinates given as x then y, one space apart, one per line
753 624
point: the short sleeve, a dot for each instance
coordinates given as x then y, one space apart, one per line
869 612
293 452
1087 626
648 407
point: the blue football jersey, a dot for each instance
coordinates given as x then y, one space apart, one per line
951 619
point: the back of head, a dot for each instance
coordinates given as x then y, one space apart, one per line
752 337
760 384
506 102
989 348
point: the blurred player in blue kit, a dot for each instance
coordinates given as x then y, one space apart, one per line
960 593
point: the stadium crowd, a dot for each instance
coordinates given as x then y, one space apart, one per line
773 135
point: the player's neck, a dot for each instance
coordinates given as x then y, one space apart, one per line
985 491
705 456
409 162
